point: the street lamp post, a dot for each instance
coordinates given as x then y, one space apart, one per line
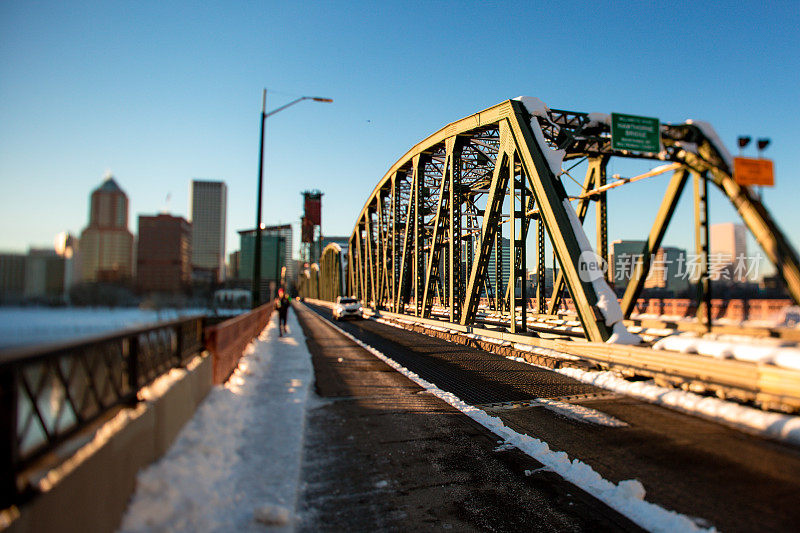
256 288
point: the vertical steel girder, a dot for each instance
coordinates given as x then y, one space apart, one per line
511 292
491 223
498 273
370 258
419 247
432 263
702 247
518 251
601 213
403 286
454 278
419 230
540 267
394 235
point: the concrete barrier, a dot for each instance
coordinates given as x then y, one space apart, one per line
91 489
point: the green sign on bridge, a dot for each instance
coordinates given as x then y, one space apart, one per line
640 134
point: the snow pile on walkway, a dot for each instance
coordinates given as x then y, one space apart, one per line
767 350
627 497
235 465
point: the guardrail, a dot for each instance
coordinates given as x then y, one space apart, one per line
226 341
50 393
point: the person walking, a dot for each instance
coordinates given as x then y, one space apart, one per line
282 306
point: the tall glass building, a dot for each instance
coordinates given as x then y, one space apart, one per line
207 205
276 257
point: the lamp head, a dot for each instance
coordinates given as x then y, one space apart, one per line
762 143
743 141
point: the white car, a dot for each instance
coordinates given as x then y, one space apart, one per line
347 307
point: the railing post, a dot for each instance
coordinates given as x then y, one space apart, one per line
179 329
8 435
133 367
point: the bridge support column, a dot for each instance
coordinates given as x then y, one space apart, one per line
701 247
541 269
601 214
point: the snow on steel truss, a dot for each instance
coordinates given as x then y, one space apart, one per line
431 232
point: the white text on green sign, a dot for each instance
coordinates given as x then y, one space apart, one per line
640 134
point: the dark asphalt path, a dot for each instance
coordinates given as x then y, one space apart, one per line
734 481
381 454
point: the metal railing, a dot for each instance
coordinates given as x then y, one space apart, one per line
49 393
226 341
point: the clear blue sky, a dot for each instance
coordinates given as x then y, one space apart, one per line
163 92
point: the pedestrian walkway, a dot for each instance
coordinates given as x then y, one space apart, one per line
235 465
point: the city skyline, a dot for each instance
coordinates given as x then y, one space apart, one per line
159 119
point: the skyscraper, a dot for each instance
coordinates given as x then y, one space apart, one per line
164 252
276 255
623 258
44 274
12 277
106 245
208 201
728 251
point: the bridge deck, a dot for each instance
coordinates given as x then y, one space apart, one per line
698 468
380 454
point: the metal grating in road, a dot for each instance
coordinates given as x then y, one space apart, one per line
475 376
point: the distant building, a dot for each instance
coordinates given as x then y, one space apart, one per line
276 257
670 269
208 205
728 252
505 266
548 280
234 259
12 277
66 246
623 257
163 254
44 275
106 245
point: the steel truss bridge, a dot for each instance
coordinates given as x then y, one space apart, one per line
429 240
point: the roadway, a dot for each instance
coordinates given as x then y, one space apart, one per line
415 443
382 454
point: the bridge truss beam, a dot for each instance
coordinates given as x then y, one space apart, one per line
431 238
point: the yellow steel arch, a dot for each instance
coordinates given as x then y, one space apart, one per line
330 273
426 236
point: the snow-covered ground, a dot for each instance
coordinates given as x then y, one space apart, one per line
21 326
235 466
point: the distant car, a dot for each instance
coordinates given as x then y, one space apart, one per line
347 307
